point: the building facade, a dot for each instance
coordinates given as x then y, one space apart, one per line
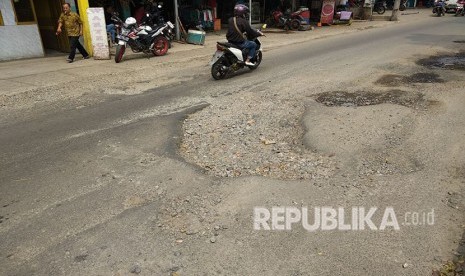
28 27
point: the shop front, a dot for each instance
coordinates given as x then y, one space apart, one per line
28 27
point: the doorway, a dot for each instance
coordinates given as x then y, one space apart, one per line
48 13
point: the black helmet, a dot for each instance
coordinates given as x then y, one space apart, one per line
241 10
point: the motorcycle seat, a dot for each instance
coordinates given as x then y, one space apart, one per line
155 29
229 45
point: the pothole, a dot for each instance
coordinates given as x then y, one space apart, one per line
448 62
364 98
264 139
395 80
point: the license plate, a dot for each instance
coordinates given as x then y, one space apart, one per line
216 57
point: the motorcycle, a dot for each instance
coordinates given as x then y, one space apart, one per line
229 58
154 18
380 6
439 8
460 10
140 38
278 19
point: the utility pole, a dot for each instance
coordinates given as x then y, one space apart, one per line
250 12
395 11
176 15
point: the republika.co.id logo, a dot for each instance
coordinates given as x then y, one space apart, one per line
329 218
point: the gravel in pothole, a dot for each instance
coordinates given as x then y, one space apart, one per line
252 135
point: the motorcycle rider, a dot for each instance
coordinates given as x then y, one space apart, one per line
442 4
237 26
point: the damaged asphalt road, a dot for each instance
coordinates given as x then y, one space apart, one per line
165 182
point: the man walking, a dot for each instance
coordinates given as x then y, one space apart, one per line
73 25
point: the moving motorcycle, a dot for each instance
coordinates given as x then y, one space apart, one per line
140 38
439 8
230 58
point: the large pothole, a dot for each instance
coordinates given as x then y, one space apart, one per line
397 80
448 62
252 136
369 129
364 98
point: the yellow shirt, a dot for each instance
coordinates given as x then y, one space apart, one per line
72 23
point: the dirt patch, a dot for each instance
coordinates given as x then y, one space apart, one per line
447 62
396 80
363 98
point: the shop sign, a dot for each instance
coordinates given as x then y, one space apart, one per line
98 33
327 11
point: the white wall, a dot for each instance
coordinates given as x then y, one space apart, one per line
7 11
18 41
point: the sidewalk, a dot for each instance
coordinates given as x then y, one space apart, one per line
29 74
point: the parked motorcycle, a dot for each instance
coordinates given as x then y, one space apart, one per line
280 20
140 38
439 8
380 6
460 10
154 18
229 58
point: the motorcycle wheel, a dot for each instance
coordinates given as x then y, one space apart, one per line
160 46
218 72
120 49
381 10
257 60
295 24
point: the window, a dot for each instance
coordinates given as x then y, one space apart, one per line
24 11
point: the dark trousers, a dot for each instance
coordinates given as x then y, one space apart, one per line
74 43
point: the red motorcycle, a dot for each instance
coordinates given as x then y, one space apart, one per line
286 21
460 10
